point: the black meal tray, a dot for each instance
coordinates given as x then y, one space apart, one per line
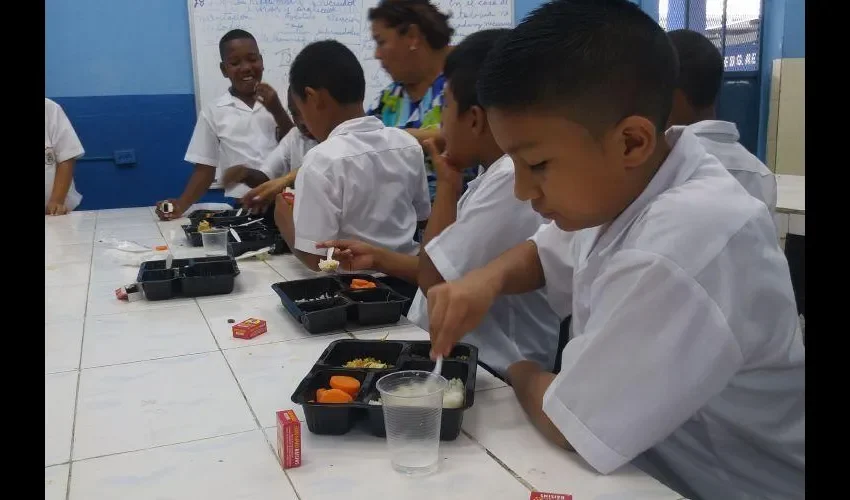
195 277
255 239
327 303
339 418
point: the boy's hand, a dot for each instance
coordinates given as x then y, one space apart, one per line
353 255
446 172
234 175
455 308
268 96
259 198
175 214
55 208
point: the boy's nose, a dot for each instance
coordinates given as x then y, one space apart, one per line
524 187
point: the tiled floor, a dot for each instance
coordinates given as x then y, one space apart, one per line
156 400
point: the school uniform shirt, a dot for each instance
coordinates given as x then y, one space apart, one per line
288 155
230 133
720 139
686 348
60 144
365 182
490 221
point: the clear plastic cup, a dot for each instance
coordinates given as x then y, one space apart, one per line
413 406
215 241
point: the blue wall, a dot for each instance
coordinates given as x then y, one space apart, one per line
123 72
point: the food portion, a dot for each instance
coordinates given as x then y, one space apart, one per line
328 265
333 396
345 384
361 284
343 389
204 226
453 397
366 363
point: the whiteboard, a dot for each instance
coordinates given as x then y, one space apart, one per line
284 27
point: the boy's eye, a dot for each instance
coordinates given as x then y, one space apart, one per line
538 167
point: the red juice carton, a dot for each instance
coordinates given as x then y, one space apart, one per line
288 439
541 495
249 328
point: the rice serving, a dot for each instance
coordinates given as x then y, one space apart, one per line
453 397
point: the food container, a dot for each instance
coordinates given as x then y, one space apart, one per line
327 303
288 439
195 277
339 418
249 328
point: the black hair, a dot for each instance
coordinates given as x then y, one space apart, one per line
700 67
605 60
290 103
230 36
464 62
328 65
401 14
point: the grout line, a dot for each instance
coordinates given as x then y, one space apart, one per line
498 461
123 363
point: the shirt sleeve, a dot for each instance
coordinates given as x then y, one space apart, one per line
491 222
203 147
769 183
318 208
422 195
66 144
278 163
654 350
555 251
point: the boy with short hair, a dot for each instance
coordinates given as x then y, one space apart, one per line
686 350
61 149
694 103
237 128
279 167
466 231
363 180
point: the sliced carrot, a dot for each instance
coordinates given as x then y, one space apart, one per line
358 283
346 384
334 396
161 248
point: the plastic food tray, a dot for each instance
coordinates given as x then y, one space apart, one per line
339 418
187 277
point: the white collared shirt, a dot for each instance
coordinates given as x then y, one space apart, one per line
490 221
720 139
288 155
686 346
60 144
365 182
230 133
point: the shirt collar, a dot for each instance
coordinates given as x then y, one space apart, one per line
357 125
227 99
728 130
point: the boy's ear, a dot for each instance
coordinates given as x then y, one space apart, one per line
634 139
313 97
223 68
479 120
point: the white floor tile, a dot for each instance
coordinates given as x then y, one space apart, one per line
291 268
56 236
280 366
60 392
134 213
62 254
255 279
62 343
64 303
152 403
126 233
120 268
359 466
144 335
281 325
66 274
101 300
239 466
55 482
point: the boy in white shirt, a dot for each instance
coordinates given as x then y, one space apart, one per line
280 165
686 352
694 102
239 128
364 180
465 232
61 149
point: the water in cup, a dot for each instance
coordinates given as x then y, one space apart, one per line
413 407
215 241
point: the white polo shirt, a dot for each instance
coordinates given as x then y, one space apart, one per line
288 155
490 221
60 144
720 139
365 182
230 133
686 345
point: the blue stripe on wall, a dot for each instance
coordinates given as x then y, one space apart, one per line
157 127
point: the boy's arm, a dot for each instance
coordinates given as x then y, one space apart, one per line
200 181
360 256
61 185
315 215
530 383
203 153
283 216
271 100
254 178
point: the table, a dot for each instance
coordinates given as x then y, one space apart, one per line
157 400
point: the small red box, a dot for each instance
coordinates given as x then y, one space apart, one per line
249 328
540 495
288 439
